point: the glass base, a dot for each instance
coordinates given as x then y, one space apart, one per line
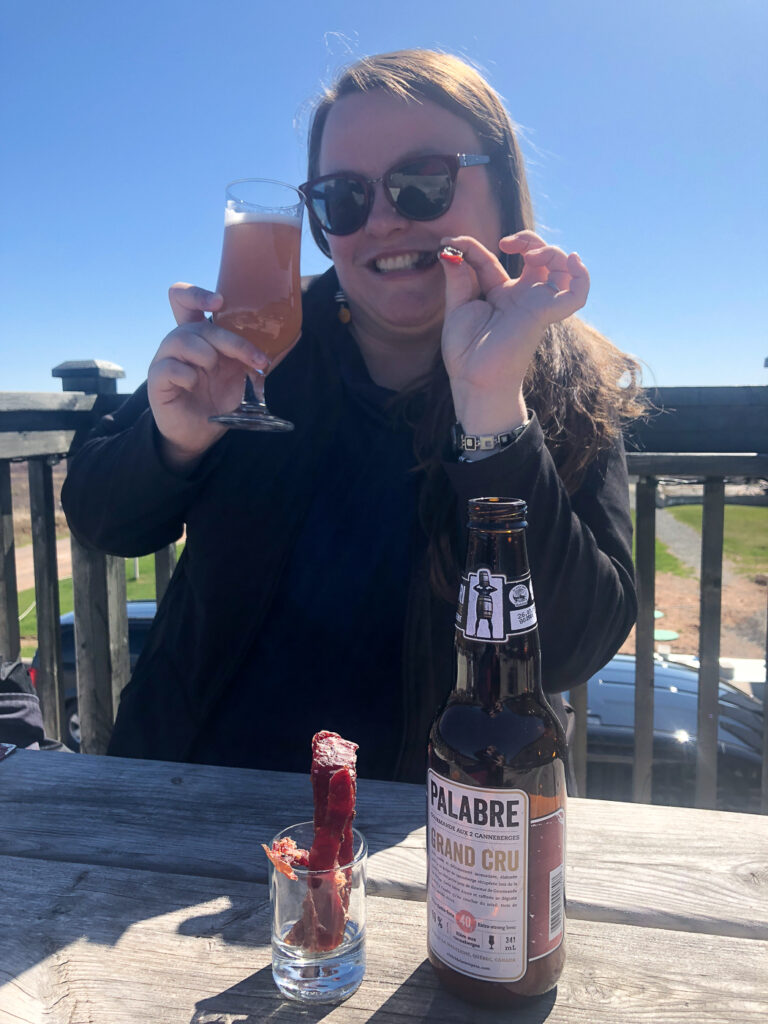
320 978
252 417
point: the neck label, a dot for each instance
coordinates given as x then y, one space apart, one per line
493 607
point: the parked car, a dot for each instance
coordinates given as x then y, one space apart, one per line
140 616
610 736
610 725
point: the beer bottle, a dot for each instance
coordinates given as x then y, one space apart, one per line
496 784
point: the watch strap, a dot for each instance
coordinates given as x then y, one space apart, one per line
464 443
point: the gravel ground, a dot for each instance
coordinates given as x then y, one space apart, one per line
744 601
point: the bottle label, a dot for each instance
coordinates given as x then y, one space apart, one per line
494 607
495 889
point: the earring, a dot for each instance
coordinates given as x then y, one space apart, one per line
343 312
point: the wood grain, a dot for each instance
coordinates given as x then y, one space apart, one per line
713 514
89 943
642 769
49 687
675 868
10 645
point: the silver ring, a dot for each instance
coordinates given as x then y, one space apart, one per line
552 285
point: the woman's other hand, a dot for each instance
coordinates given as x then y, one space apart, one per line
198 371
493 324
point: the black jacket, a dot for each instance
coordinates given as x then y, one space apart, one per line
246 501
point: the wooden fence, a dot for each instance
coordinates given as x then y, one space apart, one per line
696 434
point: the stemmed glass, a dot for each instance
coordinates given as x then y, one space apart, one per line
259 279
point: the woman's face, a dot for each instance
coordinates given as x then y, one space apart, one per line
388 289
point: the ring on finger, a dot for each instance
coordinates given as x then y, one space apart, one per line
552 285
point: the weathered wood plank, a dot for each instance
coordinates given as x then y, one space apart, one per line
645 559
693 419
10 645
38 424
42 514
43 402
697 465
92 654
662 864
117 631
709 641
28 445
119 945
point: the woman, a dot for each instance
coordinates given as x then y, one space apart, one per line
317 587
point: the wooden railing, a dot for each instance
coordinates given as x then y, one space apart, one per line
41 429
702 434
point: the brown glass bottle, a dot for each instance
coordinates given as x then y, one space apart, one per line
496 784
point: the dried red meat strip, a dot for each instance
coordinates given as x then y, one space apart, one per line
334 784
285 854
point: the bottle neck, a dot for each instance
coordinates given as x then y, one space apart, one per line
497 641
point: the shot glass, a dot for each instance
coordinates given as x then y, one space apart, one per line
318 925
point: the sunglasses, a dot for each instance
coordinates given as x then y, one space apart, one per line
419 189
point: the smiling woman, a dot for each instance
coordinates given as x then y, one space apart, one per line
418 383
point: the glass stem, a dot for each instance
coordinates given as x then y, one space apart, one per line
253 392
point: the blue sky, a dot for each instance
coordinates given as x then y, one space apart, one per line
643 128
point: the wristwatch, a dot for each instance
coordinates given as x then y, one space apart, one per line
464 443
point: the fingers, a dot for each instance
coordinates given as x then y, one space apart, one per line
563 276
169 375
576 288
521 242
478 273
190 303
202 344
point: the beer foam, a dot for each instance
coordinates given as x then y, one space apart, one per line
233 216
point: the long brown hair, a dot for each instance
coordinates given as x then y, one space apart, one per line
581 387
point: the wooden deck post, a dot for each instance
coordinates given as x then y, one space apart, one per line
645 564
709 640
10 641
42 513
101 622
101 642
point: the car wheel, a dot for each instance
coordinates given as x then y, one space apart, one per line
72 726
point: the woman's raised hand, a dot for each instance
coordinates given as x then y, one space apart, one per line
493 324
198 371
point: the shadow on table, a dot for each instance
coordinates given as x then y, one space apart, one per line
421 997
255 1000
151 839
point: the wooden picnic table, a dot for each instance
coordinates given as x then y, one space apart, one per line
136 891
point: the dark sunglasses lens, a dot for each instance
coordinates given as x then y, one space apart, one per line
422 189
340 204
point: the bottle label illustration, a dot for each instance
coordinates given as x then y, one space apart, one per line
494 607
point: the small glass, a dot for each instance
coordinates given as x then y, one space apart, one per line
337 898
259 279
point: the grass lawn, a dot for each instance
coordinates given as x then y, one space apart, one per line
745 534
141 589
665 560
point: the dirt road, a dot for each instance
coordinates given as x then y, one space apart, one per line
25 571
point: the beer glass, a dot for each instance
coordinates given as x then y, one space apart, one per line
259 279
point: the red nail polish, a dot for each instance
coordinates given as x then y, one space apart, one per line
451 255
